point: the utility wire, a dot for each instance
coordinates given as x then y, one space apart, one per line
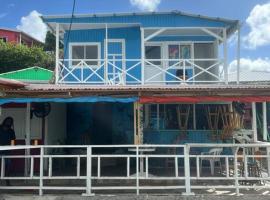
69 29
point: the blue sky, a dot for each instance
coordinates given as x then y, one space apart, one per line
12 11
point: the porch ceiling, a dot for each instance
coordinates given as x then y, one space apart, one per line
82 26
50 90
183 32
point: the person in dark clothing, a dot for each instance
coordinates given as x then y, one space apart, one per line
7 136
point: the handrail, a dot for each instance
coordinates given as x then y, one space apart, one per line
178 154
113 71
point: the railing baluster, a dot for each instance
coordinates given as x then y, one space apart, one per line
128 166
176 165
146 166
41 171
3 167
50 166
98 167
31 167
227 167
198 166
78 166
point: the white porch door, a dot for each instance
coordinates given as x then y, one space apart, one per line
153 73
116 63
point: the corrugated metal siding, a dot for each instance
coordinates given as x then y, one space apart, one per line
132 44
155 20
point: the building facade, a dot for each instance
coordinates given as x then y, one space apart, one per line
18 37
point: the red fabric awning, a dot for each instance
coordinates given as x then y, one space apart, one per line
200 99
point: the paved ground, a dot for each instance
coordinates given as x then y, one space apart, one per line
133 197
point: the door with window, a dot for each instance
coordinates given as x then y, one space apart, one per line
179 65
153 73
116 57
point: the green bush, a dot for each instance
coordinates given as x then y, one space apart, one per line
15 56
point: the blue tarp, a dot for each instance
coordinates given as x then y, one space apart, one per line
70 100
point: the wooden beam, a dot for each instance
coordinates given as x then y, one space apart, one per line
155 34
212 34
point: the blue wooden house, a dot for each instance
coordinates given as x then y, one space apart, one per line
159 48
158 80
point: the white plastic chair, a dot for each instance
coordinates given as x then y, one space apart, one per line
212 160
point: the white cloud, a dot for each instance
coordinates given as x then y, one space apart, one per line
33 25
247 64
259 23
2 15
146 5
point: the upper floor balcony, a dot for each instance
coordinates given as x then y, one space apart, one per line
142 49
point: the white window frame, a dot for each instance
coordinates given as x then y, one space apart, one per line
4 37
71 44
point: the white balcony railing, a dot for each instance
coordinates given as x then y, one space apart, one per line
131 166
140 72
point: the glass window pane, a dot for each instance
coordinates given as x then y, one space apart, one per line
153 52
185 51
91 53
151 122
173 51
77 53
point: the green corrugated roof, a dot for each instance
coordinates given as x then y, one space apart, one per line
29 74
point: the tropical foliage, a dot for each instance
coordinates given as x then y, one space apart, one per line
15 56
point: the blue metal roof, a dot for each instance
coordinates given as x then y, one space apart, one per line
148 19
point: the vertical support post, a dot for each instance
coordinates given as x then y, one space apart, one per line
106 54
57 54
137 171
187 171
142 56
140 123
88 173
41 160
238 53
254 122
268 160
236 172
135 113
194 117
27 137
265 132
225 55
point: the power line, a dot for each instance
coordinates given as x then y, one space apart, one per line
70 26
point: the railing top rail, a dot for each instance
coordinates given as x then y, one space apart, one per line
138 59
194 145
258 144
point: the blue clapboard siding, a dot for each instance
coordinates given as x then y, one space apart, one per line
154 20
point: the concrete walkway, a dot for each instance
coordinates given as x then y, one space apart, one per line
134 197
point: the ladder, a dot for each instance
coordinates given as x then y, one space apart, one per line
183 112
